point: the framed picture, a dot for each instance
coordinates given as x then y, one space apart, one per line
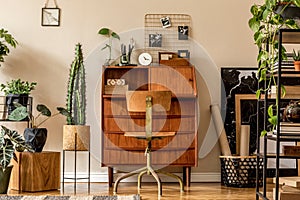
183 32
155 40
184 54
50 16
165 21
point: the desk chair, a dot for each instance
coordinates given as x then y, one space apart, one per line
142 101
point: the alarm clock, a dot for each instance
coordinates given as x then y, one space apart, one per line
145 59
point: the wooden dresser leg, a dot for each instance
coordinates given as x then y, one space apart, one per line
110 176
187 176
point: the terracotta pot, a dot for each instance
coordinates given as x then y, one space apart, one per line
79 132
297 65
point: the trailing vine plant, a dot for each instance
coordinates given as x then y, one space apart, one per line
265 23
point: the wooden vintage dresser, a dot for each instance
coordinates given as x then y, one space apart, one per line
180 150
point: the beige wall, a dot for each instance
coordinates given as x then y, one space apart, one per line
44 54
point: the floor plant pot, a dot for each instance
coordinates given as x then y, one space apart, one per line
36 138
18 98
79 134
4 179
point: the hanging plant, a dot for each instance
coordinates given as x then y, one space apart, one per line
265 23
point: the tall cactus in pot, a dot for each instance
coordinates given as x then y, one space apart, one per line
76 97
76 131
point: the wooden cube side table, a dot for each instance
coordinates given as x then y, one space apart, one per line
36 171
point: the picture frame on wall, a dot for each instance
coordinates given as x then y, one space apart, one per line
166 22
184 54
155 40
183 32
50 16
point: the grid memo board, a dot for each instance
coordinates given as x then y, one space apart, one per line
170 41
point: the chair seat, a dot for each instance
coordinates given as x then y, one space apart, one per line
142 134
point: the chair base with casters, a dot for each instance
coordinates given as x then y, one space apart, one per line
138 96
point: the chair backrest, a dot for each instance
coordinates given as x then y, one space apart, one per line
136 100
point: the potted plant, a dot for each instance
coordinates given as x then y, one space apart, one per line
10 141
17 91
34 136
76 131
265 23
296 58
6 40
110 34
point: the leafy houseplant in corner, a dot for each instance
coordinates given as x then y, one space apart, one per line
6 40
34 136
76 134
265 23
110 34
16 91
10 141
296 57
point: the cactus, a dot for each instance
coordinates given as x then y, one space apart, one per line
76 97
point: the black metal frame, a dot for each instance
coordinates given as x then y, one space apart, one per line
278 139
75 168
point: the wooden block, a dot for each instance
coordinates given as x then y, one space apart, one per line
36 171
286 195
293 181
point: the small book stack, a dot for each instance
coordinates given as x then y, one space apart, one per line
290 188
286 65
289 128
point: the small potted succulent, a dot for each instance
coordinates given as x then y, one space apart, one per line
34 136
17 91
296 57
6 40
10 141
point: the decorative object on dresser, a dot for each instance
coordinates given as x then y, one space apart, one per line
10 141
180 150
6 40
110 35
76 134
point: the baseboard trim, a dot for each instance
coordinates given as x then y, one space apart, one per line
103 177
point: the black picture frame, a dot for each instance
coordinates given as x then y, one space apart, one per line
155 40
50 17
183 54
183 32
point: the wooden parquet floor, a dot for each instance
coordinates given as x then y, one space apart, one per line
197 191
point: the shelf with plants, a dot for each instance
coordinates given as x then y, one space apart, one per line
271 30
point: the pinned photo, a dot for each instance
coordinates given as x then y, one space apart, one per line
183 32
155 40
165 21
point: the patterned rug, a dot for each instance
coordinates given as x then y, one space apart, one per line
91 197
